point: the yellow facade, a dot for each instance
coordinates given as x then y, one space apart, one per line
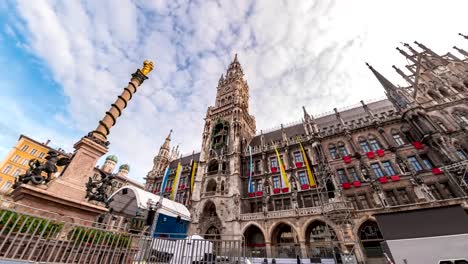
17 160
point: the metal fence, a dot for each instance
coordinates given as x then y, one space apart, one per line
34 238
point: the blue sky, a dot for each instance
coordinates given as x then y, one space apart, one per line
64 62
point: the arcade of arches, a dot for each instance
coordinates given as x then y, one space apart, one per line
321 241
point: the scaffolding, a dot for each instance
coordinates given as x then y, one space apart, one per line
457 173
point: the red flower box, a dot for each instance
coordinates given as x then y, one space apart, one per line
380 152
274 169
285 189
418 145
259 193
298 164
383 179
437 171
276 190
304 187
251 195
347 159
395 177
182 187
357 183
370 155
346 185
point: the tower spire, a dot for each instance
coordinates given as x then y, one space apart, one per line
465 36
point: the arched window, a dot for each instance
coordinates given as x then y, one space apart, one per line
444 92
374 143
434 96
457 87
397 137
213 167
461 117
364 145
342 149
333 152
211 186
222 186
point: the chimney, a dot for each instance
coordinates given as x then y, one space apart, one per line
47 142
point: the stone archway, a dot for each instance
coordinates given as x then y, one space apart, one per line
255 242
321 241
284 241
371 238
210 224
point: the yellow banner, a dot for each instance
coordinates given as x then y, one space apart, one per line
306 162
192 177
175 184
283 172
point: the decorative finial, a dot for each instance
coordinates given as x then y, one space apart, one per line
147 67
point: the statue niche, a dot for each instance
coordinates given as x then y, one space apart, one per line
220 135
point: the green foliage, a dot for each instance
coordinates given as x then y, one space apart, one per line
15 222
99 237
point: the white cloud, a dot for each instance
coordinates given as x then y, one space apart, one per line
294 53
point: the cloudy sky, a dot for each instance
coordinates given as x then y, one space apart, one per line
64 62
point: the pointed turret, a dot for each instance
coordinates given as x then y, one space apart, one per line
465 36
167 142
235 69
390 89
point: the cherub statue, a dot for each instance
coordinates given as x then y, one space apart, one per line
34 173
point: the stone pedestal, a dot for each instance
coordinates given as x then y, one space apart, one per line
64 197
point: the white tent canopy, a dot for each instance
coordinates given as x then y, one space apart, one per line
128 200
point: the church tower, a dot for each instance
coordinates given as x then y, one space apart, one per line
160 162
228 128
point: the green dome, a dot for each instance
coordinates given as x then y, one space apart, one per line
124 167
113 158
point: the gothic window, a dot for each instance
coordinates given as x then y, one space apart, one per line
220 134
461 154
341 175
352 172
222 186
377 170
397 137
297 156
342 149
211 186
273 162
333 152
352 200
364 145
434 96
276 182
213 167
321 232
444 92
403 194
259 186
303 178
415 163
363 201
258 167
426 161
388 168
391 198
461 117
374 143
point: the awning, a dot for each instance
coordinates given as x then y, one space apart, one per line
128 200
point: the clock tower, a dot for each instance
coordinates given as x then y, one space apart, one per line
228 128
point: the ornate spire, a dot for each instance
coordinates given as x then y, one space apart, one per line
465 36
235 69
167 142
390 89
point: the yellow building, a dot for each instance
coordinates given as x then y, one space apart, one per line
17 160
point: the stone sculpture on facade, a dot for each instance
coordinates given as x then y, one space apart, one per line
36 168
98 190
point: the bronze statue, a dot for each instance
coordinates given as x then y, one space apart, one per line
34 173
98 190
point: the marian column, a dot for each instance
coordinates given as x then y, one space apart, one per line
94 145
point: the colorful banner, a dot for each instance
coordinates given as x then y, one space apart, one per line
192 175
284 176
164 181
175 184
251 187
306 161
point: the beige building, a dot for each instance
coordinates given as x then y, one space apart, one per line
409 151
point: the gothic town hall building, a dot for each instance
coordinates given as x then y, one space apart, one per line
405 152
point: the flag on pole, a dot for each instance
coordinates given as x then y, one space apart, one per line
164 181
306 161
175 184
285 180
193 171
251 187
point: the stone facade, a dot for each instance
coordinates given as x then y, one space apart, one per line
390 155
